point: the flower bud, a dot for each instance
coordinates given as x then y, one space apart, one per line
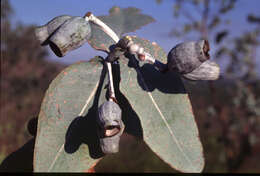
187 56
208 70
111 126
72 34
44 32
190 59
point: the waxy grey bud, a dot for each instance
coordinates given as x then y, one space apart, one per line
44 32
208 70
187 56
72 34
111 126
190 59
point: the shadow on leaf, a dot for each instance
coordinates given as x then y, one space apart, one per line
85 129
130 118
150 78
133 156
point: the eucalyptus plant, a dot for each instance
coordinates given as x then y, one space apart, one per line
84 112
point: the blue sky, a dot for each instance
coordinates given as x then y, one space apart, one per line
40 12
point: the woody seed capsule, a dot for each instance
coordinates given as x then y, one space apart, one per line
187 56
44 32
190 59
111 126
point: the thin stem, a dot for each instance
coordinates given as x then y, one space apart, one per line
144 56
110 77
90 17
139 51
136 49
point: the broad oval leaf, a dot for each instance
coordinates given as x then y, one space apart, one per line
121 21
164 109
66 136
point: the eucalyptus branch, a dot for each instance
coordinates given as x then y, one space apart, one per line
132 47
142 55
66 33
92 18
111 84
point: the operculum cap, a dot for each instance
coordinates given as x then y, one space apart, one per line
208 70
191 60
72 34
64 33
43 32
109 112
111 126
187 56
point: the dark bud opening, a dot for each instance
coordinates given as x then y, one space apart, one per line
206 49
55 49
111 130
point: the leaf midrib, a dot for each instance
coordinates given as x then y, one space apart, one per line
162 116
80 114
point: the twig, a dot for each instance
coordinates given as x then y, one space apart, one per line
90 17
110 77
134 48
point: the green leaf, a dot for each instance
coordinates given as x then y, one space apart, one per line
121 21
164 109
67 135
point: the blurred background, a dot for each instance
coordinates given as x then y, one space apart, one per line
227 111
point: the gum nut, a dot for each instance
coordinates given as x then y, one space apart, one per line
43 32
110 145
208 70
112 127
109 112
72 34
187 56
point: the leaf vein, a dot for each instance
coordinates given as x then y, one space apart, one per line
80 114
162 116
